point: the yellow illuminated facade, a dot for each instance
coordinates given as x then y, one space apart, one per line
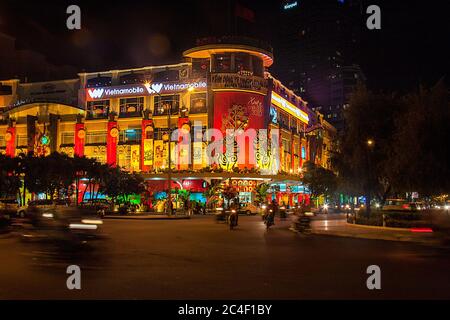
120 117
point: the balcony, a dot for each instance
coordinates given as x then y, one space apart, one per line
90 115
135 114
238 81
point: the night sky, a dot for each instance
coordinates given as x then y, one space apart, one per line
412 47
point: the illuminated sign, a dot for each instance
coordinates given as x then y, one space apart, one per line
141 89
290 5
287 106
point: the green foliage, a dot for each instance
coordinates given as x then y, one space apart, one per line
229 193
261 193
9 180
318 180
212 193
409 133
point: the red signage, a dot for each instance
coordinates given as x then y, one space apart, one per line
80 135
240 110
111 143
232 109
10 138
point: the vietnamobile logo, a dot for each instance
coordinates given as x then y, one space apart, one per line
95 93
154 87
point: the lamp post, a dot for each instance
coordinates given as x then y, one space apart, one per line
169 171
370 145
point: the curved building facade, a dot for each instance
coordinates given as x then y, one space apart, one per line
126 118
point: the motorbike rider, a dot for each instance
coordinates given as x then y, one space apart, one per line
233 218
270 213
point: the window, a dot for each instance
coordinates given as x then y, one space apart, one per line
160 132
22 140
242 62
130 106
96 137
167 75
67 138
165 103
258 68
98 81
97 109
2 141
284 119
130 135
198 103
222 63
200 67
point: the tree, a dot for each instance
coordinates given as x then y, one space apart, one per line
212 193
318 180
421 158
363 158
119 184
183 196
229 193
261 193
10 183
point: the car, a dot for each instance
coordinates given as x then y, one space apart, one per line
400 205
10 207
98 205
249 209
48 204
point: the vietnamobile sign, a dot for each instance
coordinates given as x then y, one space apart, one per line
141 90
290 108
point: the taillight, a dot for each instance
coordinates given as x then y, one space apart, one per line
405 206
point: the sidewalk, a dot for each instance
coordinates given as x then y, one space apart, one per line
341 228
146 216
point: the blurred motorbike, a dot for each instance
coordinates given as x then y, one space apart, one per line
269 219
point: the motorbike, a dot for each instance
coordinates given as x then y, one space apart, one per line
269 219
303 225
232 219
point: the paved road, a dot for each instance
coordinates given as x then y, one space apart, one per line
202 259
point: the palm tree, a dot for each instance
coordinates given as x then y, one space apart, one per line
212 194
261 193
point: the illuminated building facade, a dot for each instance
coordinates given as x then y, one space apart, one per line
120 117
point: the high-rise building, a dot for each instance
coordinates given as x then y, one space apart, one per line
318 49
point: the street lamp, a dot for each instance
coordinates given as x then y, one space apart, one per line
169 135
370 142
169 172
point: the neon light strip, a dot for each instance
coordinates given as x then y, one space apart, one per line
289 108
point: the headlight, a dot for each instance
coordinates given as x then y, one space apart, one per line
446 207
264 207
92 221
234 211
325 206
47 215
83 226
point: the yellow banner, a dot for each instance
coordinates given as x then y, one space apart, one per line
135 157
148 152
159 153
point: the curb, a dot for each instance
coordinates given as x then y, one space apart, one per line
398 239
378 227
146 218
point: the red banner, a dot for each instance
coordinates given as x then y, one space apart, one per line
232 107
240 110
80 135
10 138
111 143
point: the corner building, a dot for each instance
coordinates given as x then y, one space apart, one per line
121 117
